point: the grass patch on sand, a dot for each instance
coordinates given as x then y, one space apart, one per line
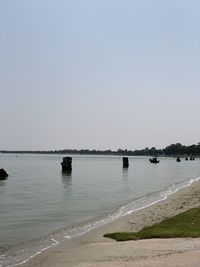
186 224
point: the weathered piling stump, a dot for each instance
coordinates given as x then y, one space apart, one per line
3 174
67 164
125 162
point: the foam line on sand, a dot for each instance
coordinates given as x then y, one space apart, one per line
93 250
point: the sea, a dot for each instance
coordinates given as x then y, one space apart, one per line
40 207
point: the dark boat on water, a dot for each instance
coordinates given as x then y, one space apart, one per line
178 159
154 160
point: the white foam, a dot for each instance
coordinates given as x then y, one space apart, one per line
165 195
90 226
146 206
67 237
56 242
32 256
37 253
78 231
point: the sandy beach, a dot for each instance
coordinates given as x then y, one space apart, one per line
93 250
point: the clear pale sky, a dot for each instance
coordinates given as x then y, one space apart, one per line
99 74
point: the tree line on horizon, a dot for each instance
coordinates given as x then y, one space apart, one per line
172 150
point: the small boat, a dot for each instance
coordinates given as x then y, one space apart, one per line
186 158
178 159
154 160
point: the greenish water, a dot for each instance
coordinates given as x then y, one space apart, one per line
40 206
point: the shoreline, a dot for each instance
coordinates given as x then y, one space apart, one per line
81 246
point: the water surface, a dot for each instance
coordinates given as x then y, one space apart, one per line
38 199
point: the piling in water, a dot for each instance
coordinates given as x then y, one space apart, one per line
66 164
125 162
3 174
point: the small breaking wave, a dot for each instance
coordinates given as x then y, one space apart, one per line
23 253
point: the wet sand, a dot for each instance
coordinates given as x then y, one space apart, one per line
93 250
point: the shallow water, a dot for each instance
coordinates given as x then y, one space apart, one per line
37 200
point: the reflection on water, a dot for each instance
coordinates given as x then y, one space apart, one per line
66 178
3 183
3 188
125 172
38 198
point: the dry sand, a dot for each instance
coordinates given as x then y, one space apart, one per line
93 250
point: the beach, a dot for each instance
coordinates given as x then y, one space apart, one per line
92 249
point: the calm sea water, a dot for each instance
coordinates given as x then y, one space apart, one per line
40 206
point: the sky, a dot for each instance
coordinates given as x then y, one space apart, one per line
99 74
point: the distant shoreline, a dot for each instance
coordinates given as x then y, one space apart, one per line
172 150
90 154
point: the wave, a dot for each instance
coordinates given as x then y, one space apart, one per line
24 252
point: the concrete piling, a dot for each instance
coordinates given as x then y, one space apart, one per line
125 162
66 164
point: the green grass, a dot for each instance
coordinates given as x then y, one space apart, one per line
186 224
